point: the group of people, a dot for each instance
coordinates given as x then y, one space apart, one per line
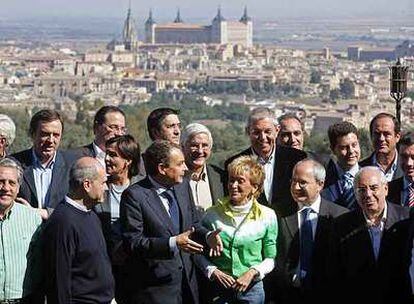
106 223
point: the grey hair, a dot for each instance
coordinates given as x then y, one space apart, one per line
319 172
258 114
194 129
369 168
7 128
79 173
11 163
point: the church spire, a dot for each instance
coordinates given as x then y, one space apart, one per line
245 17
129 33
150 20
178 18
219 17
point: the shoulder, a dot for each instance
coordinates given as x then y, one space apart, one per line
290 153
366 161
333 209
245 152
399 212
27 214
213 169
396 183
23 157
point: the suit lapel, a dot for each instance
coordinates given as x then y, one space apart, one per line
28 176
58 176
292 224
214 184
182 199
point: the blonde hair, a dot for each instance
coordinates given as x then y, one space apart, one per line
249 164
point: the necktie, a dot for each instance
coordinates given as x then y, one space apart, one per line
410 201
348 194
174 212
306 244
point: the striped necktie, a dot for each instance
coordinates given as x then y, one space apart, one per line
410 201
348 194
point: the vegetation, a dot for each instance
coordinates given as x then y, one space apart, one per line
225 122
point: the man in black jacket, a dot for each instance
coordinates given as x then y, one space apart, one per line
277 160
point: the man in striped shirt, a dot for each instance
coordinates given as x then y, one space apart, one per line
19 226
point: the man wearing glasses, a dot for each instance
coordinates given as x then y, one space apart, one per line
109 122
361 251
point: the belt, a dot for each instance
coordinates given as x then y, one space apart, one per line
11 301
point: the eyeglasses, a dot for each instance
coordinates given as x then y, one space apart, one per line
116 128
372 188
302 184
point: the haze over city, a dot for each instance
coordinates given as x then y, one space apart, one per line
262 9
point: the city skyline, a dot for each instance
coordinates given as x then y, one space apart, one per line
197 9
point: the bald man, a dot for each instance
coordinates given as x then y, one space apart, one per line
77 266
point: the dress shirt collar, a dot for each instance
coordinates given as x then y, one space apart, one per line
353 171
315 206
201 177
265 161
406 183
394 165
383 218
38 164
159 189
8 212
243 209
98 151
76 204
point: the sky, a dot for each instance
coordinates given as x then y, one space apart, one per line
199 9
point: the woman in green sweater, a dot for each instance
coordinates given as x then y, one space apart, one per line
248 233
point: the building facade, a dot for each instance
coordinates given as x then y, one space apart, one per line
221 31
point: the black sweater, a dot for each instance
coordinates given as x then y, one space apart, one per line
77 266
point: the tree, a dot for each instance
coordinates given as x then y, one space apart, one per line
347 88
315 76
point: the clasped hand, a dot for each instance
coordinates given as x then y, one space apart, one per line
185 243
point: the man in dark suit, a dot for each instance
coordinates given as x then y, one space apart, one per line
206 184
385 131
277 160
360 248
401 190
109 122
160 230
46 169
302 275
340 173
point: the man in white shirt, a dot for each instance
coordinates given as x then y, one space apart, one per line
304 236
385 131
277 160
109 122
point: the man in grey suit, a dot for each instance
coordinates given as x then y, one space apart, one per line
206 185
303 240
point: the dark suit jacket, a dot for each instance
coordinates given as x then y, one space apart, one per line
155 272
285 160
331 190
369 161
355 274
395 189
60 178
288 252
